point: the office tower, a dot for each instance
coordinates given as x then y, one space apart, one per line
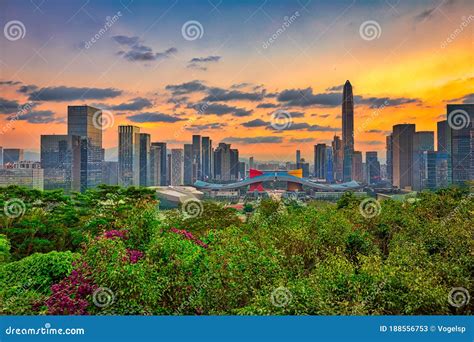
422 143
242 170
372 166
402 155
22 174
61 162
461 123
298 157
177 166
251 163
145 144
319 161
357 169
338 158
168 169
188 164
1 157
389 158
234 164
129 156
304 166
110 172
155 165
163 162
437 170
347 130
86 122
206 158
222 162
211 168
329 165
443 136
197 158
13 155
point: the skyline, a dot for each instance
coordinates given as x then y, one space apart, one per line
411 78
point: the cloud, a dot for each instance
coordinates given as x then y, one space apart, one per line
296 114
200 62
186 88
139 52
255 123
377 102
335 88
301 140
153 117
63 93
204 127
253 140
10 83
306 98
468 98
220 94
425 15
268 105
37 117
295 126
219 109
372 142
8 106
137 103
27 89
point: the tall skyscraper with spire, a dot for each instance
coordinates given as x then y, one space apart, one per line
347 130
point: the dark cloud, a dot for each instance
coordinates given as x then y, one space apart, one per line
139 52
324 116
468 98
301 140
204 127
318 128
27 89
219 109
372 142
255 123
267 105
137 103
335 88
205 59
10 83
8 106
296 114
63 93
254 140
220 94
186 88
377 102
37 117
242 85
153 117
306 98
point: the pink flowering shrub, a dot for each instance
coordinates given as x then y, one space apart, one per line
121 234
189 236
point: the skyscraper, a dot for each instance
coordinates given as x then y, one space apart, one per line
422 143
337 157
155 165
129 156
145 144
177 166
197 158
319 161
61 162
347 130
188 164
389 157
163 162
86 122
298 157
206 158
329 165
251 163
357 169
402 155
222 162
372 166
461 122
443 136
13 155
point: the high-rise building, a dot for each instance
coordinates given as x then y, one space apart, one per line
155 165
177 166
461 122
347 130
197 158
61 162
129 156
206 158
31 177
188 164
319 161
443 136
163 162
402 155
372 167
338 158
110 172
357 169
251 163
234 164
422 143
329 165
222 162
13 155
1 157
389 158
242 170
145 144
168 170
86 122
298 157
437 170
